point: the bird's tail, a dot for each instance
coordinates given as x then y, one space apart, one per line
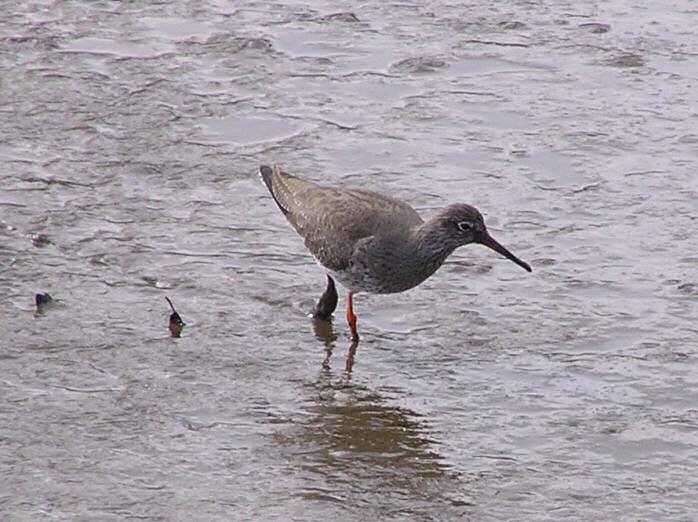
267 175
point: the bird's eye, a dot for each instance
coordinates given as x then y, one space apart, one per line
465 226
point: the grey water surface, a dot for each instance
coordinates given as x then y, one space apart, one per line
130 137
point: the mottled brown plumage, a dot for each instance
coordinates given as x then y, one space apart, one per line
371 242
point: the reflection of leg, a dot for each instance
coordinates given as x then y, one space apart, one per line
327 303
350 357
324 331
351 317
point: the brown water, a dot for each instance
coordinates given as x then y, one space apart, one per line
130 138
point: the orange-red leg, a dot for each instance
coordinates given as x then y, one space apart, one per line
351 317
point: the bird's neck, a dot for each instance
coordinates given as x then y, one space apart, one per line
431 244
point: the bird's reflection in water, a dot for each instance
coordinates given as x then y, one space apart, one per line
351 446
325 332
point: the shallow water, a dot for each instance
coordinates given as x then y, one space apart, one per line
131 134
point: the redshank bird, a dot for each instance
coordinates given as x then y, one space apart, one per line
374 243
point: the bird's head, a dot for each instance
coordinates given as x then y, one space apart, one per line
464 225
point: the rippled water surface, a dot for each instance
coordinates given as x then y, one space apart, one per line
130 138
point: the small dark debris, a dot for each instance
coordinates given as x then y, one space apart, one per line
176 324
40 240
42 301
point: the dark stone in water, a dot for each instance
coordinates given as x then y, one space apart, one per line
42 300
40 240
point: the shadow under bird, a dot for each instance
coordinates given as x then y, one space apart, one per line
374 243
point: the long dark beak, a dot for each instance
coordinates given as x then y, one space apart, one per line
492 243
